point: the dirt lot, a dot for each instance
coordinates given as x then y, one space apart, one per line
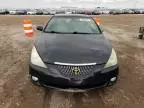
16 91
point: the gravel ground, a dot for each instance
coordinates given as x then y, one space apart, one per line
16 91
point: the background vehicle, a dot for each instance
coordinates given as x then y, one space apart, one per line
12 12
60 11
88 12
141 11
106 11
80 11
116 12
4 12
31 12
21 12
136 11
46 12
39 12
96 12
52 12
68 12
128 11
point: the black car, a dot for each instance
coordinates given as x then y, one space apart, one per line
4 12
72 54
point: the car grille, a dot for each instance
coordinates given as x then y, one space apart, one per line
76 71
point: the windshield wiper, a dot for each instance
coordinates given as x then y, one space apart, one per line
51 32
67 32
57 32
80 33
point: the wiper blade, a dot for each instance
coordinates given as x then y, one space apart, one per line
56 32
81 33
51 32
67 32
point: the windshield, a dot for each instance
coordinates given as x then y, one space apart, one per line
72 25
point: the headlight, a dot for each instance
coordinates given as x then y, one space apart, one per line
35 58
112 60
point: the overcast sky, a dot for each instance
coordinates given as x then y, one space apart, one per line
78 3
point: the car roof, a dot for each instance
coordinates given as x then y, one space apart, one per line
72 15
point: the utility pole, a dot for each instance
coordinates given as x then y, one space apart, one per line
135 5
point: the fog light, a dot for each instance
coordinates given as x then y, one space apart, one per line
34 78
113 79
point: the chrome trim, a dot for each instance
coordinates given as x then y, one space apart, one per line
70 64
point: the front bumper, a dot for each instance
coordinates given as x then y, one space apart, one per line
61 83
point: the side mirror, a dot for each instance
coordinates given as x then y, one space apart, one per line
40 28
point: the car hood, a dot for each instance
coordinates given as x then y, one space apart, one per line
73 48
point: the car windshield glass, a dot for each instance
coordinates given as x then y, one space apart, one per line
75 25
